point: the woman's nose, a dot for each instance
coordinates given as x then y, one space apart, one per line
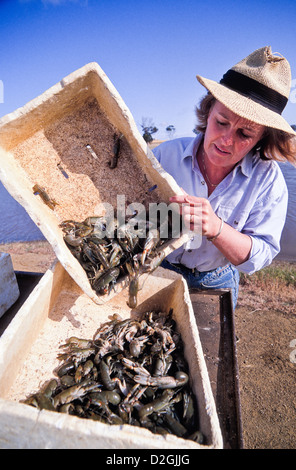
227 137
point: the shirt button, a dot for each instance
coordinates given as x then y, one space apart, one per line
203 182
189 251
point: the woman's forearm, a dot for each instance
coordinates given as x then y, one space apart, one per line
234 245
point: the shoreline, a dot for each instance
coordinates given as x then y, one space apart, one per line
43 246
34 256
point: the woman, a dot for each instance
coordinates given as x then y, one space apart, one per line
233 188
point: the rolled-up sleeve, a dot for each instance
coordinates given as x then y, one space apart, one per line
264 225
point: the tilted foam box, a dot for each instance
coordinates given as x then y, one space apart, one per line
63 141
55 310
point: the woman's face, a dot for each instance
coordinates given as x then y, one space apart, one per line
228 137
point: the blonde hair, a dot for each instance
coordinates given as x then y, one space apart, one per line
274 145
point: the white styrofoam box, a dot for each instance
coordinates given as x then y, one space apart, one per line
57 309
9 289
63 141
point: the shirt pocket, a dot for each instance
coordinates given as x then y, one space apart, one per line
233 216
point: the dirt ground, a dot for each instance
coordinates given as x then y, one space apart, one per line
266 331
265 327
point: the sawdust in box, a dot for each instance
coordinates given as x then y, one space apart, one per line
58 309
79 179
63 141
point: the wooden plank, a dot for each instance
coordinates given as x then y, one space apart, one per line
214 318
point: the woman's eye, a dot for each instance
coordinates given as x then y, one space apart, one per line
221 123
245 136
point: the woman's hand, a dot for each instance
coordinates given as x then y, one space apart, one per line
198 215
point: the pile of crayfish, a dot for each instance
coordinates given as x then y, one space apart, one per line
107 259
132 372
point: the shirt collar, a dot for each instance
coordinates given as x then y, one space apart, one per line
246 164
191 149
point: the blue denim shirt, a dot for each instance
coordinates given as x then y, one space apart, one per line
252 198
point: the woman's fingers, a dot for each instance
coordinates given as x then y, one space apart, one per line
197 213
186 199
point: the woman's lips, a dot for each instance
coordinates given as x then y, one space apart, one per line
221 151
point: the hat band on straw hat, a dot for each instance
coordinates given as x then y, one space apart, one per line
258 92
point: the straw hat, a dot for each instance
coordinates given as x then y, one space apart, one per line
257 88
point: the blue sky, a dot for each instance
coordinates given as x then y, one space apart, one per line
150 50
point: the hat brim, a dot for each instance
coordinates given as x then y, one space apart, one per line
246 107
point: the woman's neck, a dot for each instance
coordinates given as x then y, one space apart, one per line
212 174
